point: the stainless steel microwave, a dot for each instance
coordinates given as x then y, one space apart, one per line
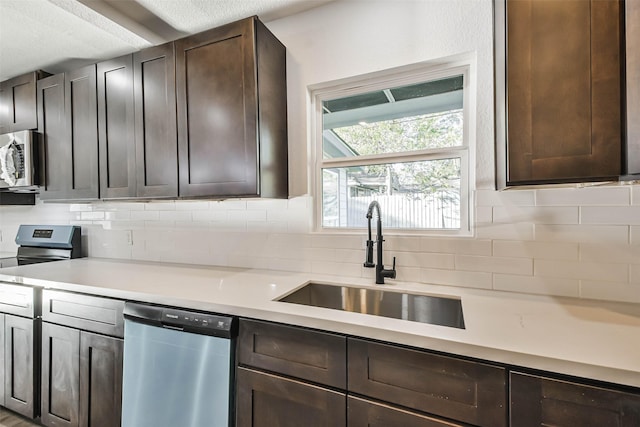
18 161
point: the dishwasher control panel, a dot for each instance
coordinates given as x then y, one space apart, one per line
185 320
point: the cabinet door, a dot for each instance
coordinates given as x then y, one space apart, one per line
56 150
115 128
18 103
19 365
217 122
265 400
100 380
538 401
86 312
310 355
155 122
466 391
563 89
365 413
82 123
60 376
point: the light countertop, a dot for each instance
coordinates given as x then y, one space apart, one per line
590 339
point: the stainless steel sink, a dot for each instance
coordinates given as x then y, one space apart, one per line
444 311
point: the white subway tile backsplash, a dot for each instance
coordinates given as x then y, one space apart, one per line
582 233
209 215
268 204
484 214
493 264
610 272
585 196
515 231
80 207
228 205
505 198
628 215
268 226
349 255
409 274
192 206
527 240
336 268
247 215
461 245
117 215
401 243
160 206
91 216
173 215
467 279
610 252
534 249
535 215
346 241
537 285
423 260
145 215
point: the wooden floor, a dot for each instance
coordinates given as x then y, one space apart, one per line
10 419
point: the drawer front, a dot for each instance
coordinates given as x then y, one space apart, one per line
18 300
537 401
265 400
310 355
461 390
94 314
365 413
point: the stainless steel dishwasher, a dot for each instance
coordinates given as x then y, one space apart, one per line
178 367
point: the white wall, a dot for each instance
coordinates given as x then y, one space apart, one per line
581 242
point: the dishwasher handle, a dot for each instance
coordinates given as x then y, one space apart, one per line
183 320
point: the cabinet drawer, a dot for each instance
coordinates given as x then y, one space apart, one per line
95 314
266 400
310 355
537 401
18 300
467 391
365 413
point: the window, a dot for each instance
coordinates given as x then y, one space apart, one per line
400 138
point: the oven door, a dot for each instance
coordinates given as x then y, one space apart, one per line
17 160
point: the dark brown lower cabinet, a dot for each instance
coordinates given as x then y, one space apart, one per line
265 400
539 401
366 413
19 364
81 378
466 391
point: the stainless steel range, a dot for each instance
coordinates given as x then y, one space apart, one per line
45 243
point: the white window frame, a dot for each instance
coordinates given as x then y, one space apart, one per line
397 77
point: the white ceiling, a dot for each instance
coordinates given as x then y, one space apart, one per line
59 35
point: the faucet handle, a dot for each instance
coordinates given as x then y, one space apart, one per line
391 274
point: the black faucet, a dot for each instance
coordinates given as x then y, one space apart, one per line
381 272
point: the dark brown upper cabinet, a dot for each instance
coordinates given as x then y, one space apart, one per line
632 26
231 100
18 102
559 90
155 122
67 113
116 128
